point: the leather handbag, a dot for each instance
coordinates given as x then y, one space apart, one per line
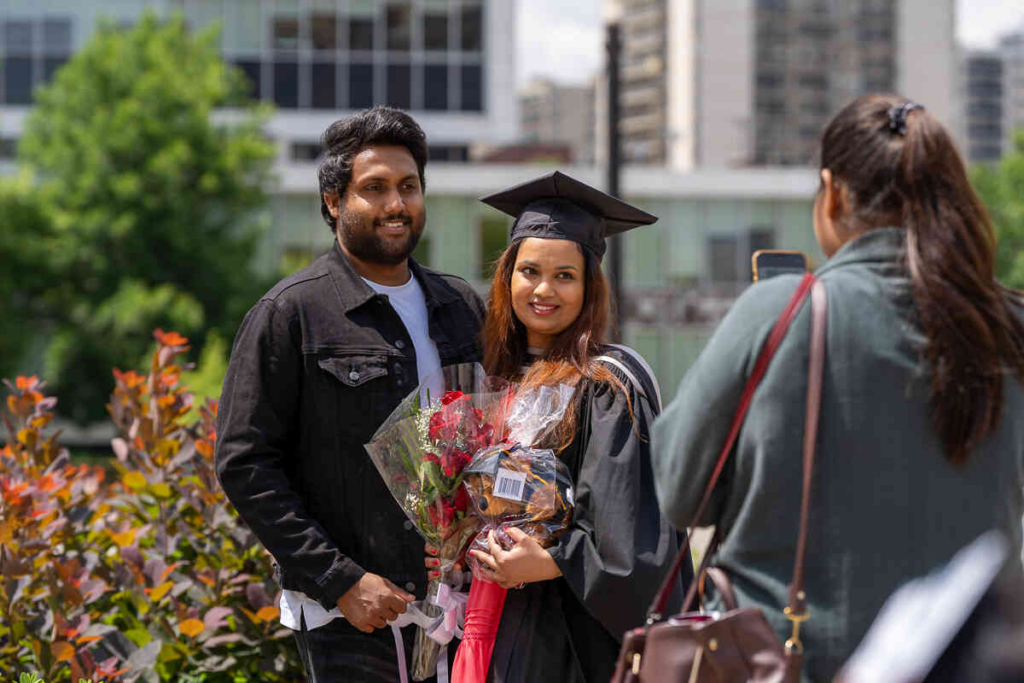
738 645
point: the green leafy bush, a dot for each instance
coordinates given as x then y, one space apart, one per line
148 577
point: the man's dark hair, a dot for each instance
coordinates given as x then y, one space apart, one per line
346 138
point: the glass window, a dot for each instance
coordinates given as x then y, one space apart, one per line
251 69
493 240
305 151
286 84
18 37
8 148
399 27
57 36
723 252
17 80
360 30
50 66
286 33
399 86
435 31
324 81
323 31
360 86
435 87
472 28
472 88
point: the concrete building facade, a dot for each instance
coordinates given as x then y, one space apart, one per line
751 82
555 113
450 62
681 274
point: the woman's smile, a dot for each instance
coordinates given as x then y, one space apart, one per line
543 308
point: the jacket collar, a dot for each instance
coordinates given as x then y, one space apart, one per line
354 292
880 245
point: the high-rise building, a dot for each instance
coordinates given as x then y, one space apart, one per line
554 113
1011 49
752 82
984 107
450 62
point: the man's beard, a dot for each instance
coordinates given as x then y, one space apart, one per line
359 235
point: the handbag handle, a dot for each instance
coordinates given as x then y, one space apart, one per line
798 604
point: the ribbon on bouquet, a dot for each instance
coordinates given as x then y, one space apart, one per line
441 629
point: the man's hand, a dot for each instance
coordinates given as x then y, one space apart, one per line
373 602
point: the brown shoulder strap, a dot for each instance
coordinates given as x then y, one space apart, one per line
657 608
815 372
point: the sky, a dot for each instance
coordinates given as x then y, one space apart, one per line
562 39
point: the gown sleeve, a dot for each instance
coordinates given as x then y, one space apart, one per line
618 549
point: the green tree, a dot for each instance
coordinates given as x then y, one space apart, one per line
151 204
1001 187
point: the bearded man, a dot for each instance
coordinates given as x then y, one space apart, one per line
317 365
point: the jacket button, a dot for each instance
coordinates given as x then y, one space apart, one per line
399 344
411 587
408 525
353 375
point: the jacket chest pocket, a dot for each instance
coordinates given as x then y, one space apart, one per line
355 371
361 388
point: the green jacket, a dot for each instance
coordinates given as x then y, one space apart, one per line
886 505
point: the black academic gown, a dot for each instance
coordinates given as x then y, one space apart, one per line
613 558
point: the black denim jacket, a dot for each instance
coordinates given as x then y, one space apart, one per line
317 365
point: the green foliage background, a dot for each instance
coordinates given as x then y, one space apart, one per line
135 208
1001 187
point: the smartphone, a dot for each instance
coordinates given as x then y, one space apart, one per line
766 263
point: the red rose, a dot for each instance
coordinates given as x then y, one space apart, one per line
444 426
461 499
451 397
453 460
442 514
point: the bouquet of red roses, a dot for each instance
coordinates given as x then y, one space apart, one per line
421 451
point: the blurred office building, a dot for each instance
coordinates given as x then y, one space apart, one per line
993 87
450 62
728 83
984 106
560 114
1011 49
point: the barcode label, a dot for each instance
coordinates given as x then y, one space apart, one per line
509 484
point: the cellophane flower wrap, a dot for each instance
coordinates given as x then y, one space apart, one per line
513 484
422 450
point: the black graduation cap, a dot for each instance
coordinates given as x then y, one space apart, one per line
556 206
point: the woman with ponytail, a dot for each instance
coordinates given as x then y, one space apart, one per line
921 438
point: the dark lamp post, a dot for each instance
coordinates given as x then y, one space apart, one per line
613 47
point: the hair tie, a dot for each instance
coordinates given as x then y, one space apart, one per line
898 117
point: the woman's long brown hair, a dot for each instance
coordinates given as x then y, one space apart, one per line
570 358
917 179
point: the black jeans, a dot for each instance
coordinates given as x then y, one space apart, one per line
334 653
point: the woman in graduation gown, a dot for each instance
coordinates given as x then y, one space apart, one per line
569 605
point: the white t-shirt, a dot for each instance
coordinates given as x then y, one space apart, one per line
411 306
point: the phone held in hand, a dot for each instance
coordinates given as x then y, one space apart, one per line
766 263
